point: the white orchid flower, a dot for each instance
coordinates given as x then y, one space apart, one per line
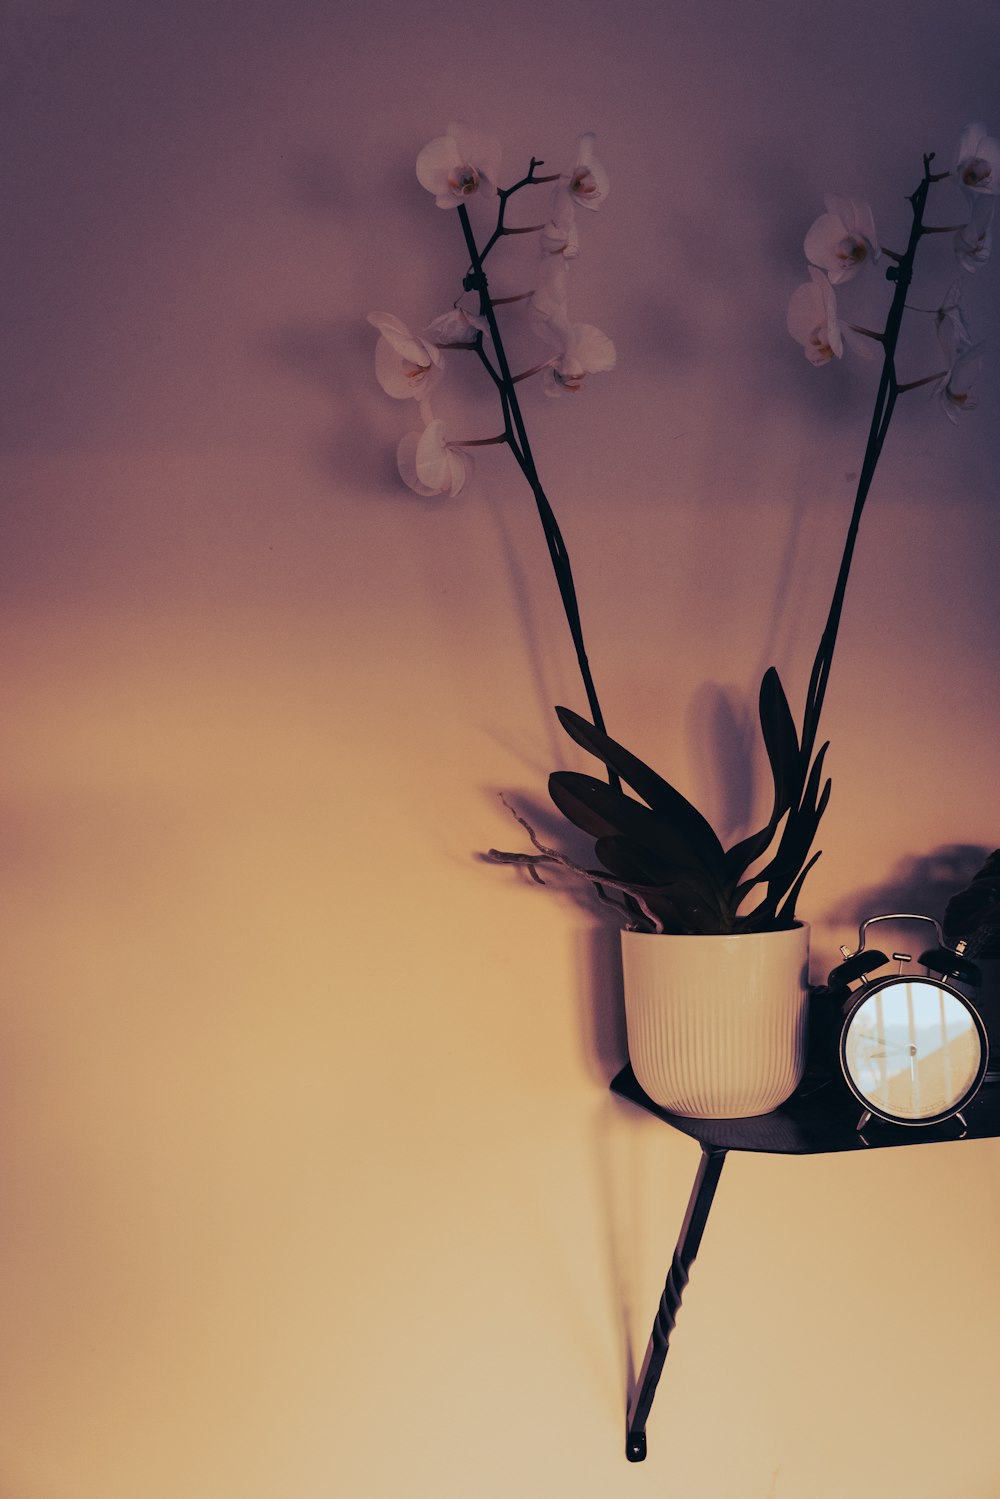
974 243
843 239
548 302
949 322
588 181
456 326
406 367
813 320
977 160
560 235
582 350
429 464
456 165
953 392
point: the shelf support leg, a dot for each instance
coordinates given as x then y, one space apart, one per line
702 1193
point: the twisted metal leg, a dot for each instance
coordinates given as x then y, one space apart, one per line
693 1227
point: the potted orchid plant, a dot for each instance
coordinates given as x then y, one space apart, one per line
657 858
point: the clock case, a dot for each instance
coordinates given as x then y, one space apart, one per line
851 983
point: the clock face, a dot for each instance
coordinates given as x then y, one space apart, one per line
912 1050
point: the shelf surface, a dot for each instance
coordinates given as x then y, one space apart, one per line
821 1118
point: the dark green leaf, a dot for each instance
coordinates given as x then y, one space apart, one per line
689 824
743 854
812 785
680 901
629 860
792 854
793 849
780 739
782 745
681 907
602 811
800 829
786 913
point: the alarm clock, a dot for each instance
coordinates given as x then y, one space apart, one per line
912 1047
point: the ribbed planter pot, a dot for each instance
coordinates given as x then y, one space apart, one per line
717 1025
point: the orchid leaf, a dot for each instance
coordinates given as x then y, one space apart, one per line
579 799
680 907
792 858
628 861
780 739
782 744
659 795
786 912
601 810
743 854
796 838
804 820
809 797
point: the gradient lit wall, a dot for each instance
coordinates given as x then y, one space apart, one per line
310 1182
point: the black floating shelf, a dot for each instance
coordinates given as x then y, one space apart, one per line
820 1119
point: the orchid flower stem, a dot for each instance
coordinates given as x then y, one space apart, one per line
517 437
503 194
487 364
527 374
885 402
927 380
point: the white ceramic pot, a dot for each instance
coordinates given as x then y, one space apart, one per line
717 1025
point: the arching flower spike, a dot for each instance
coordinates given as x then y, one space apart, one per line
456 165
977 160
813 321
588 181
406 367
843 239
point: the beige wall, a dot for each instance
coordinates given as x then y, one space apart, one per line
309 1178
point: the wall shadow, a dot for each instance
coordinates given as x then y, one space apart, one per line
600 997
722 729
329 354
921 884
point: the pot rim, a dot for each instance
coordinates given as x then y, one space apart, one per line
784 931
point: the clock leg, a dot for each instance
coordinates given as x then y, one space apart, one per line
693 1227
